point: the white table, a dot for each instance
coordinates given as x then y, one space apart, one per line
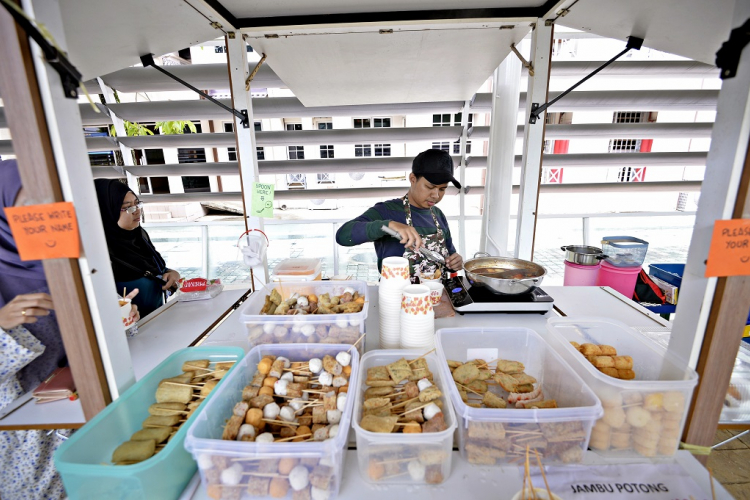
467 481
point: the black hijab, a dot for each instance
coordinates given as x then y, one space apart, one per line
132 247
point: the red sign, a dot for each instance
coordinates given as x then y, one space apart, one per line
48 231
194 285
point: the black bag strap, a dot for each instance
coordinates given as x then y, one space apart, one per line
146 274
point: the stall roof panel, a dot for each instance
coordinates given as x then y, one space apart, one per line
690 28
107 35
413 63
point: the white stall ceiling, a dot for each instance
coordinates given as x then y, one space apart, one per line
412 64
108 35
276 8
690 28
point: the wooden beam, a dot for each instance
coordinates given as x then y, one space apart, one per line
33 149
722 340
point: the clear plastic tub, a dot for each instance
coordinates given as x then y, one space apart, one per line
297 270
204 435
489 436
83 460
737 401
431 451
287 329
624 251
644 416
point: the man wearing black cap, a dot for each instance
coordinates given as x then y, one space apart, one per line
415 216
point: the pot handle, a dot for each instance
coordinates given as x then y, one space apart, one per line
535 280
564 249
602 257
483 254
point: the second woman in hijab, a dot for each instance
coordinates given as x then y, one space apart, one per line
133 255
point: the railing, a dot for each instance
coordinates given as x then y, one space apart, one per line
208 249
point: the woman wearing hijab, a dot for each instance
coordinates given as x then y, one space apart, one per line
135 261
31 349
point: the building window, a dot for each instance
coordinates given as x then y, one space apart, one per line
326 151
362 150
624 145
627 145
382 150
448 120
296 181
232 152
325 126
296 152
445 146
294 126
325 179
442 120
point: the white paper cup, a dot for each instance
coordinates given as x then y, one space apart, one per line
125 308
436 290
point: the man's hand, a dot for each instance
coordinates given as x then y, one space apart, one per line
409 236
25 309
455 262
171 277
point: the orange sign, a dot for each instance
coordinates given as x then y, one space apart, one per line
729 254
48 231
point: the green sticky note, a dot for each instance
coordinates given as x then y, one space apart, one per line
262 200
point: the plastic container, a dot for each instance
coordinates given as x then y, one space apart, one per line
204 435
644 416
624 251
83 460
580 275
287 329
490 436
622 279
430 451
737 401
671 273
297 270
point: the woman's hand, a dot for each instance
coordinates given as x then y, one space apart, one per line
171 277
25 309
455 262
134 314
409 236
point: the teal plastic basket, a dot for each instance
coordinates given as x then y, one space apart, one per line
84 460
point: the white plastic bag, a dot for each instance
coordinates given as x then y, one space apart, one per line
253 245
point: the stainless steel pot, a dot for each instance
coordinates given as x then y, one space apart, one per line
504 275
583 255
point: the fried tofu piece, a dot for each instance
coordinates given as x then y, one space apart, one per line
524 378
378 376
486 430
400 371
196 365
249 392
507 382
623 362
170 393
466 374
158 434
378 392
233 427
420 370
161 421
612 372
378 424
546 403
490 400
524 388
604 362
261 401
429 393
478 386
509 366
166 409
590 350
371 403
134 451
607 350
452 365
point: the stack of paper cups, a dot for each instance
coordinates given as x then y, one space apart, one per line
417 318
393 278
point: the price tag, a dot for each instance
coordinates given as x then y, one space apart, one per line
48 231
262 200
729 254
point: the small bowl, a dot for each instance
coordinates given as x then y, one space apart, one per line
436 290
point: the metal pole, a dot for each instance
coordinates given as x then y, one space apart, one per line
247 156
541 48
462 178
205 244
586 229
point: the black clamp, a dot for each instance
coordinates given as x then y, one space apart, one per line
728 56
148 60
537 109
70 77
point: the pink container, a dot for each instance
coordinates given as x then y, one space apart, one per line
621 279
579 275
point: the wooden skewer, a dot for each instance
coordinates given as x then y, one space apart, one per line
404 403
395 475
357 342
263 474
394 461
413 409
280 422
292 438
422 356
470 390
184 385
544 476
315 392
711 478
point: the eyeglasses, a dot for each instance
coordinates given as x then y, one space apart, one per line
132 209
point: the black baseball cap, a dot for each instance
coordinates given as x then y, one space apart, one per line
436 166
